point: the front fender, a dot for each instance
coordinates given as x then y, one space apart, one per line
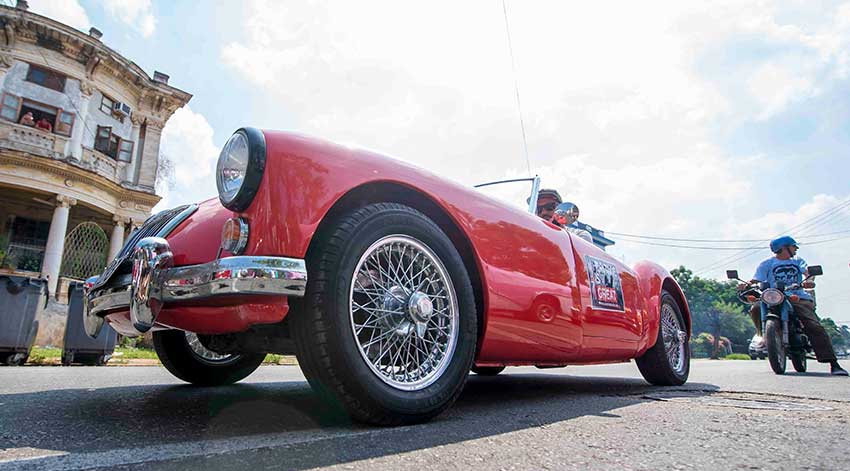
653 279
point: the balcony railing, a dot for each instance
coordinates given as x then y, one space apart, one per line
103 165
31 140
53 146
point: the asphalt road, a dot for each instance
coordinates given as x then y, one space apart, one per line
730 415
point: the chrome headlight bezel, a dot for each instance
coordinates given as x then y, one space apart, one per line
772 296
253 173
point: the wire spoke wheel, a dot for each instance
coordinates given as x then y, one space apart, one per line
674 338
206 354
404 312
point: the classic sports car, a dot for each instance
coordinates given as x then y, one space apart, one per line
387 282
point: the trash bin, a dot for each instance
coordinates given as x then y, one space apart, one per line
19 301
79 347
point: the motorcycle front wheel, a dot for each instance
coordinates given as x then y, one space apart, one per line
775 347
799 362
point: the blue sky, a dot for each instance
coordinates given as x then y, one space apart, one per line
720 120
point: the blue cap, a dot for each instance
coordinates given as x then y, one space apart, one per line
778 244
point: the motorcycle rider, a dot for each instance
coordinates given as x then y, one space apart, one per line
547 201
787 268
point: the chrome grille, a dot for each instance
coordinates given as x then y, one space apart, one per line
149 228
159 225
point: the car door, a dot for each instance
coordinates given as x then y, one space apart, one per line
611 321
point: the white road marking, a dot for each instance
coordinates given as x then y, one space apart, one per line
55 460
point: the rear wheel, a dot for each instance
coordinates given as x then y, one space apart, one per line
387 327
487 370
668 362
183 355
775 347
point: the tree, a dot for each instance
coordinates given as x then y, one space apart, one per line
715 308
164 174
836 334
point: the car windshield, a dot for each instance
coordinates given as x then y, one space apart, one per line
514 193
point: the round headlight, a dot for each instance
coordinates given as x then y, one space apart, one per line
240 168
772 296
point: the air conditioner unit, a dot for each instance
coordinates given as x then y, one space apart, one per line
122 109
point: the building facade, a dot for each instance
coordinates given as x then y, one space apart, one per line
80 129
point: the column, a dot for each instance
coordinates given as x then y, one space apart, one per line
56 241
137 151
77 134
117 239
150 155
6 63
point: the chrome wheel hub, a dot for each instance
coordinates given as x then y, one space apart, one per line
404 314
675 339
203 352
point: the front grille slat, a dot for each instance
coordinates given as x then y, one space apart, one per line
151 227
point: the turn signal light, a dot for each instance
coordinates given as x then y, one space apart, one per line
752 298
234 235
794 298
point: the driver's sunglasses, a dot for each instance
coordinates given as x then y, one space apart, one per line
548 207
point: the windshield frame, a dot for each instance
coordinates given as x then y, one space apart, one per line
535 189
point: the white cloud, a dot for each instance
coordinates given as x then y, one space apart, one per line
69 12
138 14
187 141
621 110
774 87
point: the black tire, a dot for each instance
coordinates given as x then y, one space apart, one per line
775 348
654 365
487 370
753 356
178 358
798 360
67 359
326 347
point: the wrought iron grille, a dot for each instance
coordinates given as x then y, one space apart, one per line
86 249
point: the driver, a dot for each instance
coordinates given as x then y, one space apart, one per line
787 268
547 204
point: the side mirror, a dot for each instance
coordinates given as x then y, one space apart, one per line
732 274
565 214
815 270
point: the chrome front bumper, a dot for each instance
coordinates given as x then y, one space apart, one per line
156 282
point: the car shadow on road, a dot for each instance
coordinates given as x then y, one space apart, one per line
91 420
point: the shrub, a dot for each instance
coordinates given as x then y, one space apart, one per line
737 356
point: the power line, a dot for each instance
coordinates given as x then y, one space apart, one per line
705 247
516 87
718 241
757 248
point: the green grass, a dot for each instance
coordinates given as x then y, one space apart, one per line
737 356
132 353
48 355
39 355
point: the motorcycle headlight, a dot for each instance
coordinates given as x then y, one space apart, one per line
240 168
772 296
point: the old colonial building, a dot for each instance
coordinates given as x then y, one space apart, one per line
80 129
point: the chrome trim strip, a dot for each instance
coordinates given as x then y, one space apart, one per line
108 300
175 221
227 276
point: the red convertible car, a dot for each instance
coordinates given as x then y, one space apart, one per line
387 282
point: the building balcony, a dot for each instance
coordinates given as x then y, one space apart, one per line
57 147
32 141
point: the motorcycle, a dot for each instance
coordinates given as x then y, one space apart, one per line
784 336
